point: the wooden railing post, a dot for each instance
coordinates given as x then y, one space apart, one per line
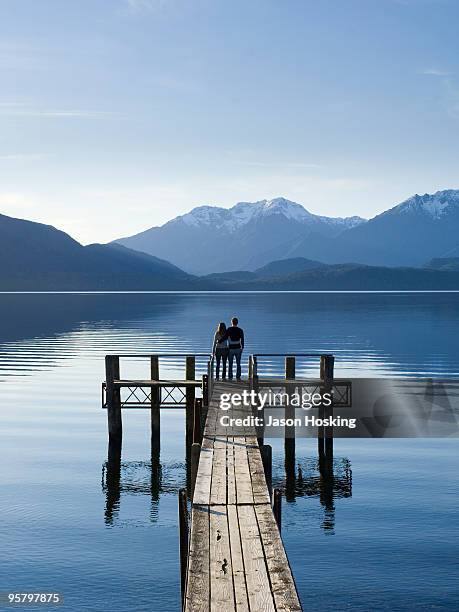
254 385
195 453
267 460
277 507
289 432
210 375
325 435
328 376
183 526
197 421
210 380
190 394
115 426
205 389
255 372
155 403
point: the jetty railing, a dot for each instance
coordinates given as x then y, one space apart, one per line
340 390
154 392
138 389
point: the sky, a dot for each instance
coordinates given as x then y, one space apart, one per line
118 115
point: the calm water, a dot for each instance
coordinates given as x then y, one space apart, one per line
386 536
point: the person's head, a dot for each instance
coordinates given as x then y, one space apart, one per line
221 328
234 321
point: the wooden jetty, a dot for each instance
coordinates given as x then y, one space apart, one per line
236 557
232 555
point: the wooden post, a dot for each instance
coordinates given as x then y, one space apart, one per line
211 377
260 429
321 415
183 526
155 420
290 368
255 370
205 389
209 380
195 452
197 421
190 373
289 432
326 374
155 404
115 426
253 373
277 507
267 459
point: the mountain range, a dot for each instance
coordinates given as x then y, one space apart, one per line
259 246
249 235
246 236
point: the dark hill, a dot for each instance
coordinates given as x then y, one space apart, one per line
355 277
281 267
37 257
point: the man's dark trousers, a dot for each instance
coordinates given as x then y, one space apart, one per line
234 354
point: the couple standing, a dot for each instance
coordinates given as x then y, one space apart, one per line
228 345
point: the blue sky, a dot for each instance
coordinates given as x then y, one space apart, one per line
116 115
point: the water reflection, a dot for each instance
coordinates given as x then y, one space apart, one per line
308 478
147 478
319 478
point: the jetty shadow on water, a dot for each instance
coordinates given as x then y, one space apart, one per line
140 478
309 477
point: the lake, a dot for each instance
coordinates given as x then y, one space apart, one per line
386 537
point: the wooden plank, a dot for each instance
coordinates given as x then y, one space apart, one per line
197 596
257 473
244 493
231 486
158 383
204 477
209 427
282 583
256 574
240 588
219 474
221 572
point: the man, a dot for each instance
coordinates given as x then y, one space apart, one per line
235 337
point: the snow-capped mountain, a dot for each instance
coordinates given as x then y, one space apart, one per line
246 236
410 234
437 205
250 235
243 213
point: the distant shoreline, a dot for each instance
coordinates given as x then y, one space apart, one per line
194 292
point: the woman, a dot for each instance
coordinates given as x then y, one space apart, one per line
220 349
